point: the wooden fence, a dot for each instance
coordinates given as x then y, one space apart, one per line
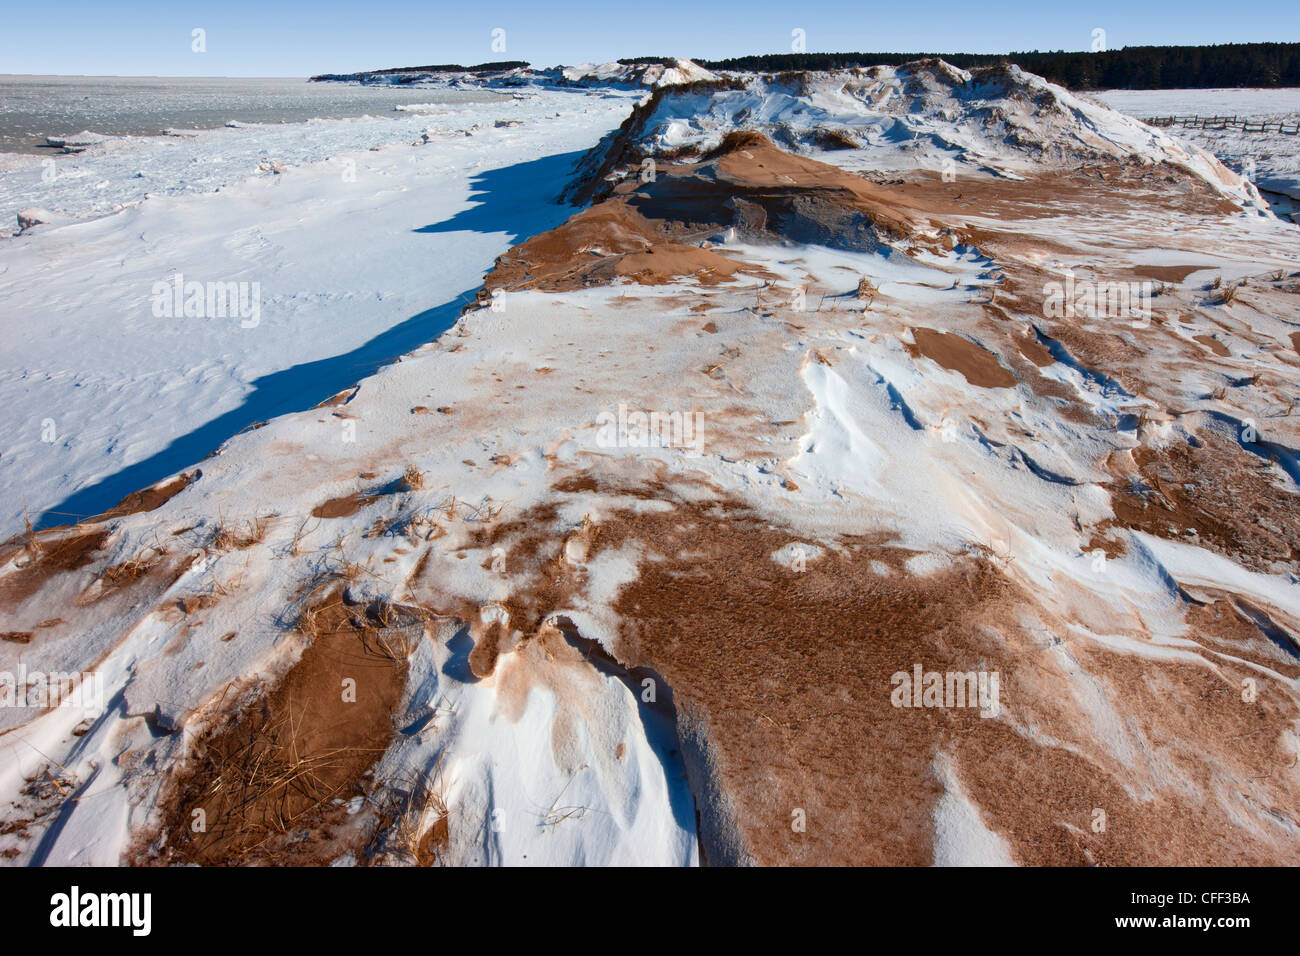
1226 122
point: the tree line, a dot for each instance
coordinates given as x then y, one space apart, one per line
1133 67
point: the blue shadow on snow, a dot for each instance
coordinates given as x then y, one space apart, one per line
517 200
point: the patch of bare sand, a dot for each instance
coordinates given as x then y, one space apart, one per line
342 507
45 556
264 780
976 364
1215 490
1213 344
1174 274
1034 350
600 245
1055 190
1228 623
152 498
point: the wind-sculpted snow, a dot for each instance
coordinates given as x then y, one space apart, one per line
783 505
926 114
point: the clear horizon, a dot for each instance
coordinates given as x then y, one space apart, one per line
147 38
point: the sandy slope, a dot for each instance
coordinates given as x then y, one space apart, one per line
879 449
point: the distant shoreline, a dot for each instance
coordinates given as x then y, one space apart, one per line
38 107
1220 66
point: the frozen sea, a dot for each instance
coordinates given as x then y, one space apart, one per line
174 136
33 107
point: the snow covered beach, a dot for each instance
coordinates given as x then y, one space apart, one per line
366 237
930 432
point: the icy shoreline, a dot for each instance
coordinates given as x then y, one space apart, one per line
122 170
365 239
33 108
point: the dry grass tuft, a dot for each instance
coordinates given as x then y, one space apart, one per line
557 813
423 528
118 575
413 815
31 543
398 630
239 537
1222 293
279 782
295 547
412 479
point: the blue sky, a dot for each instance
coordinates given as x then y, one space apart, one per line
268 38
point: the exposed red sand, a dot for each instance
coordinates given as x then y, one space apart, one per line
342 507
1044 196
1174 274
342 398
1217 491
271 771
601 244
150 499
46 555
1213 344
955 353
1033 350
